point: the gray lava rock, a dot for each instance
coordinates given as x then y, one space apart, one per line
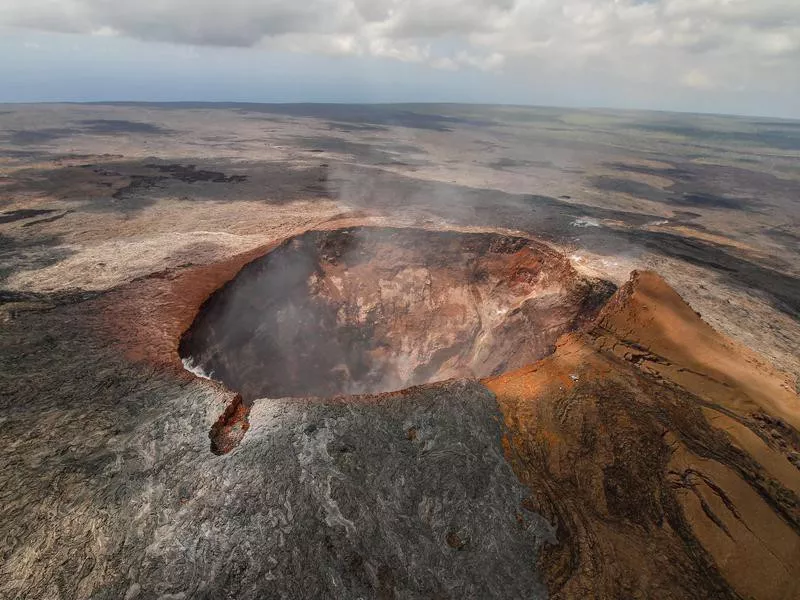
109 490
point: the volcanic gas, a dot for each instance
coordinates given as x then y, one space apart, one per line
369 310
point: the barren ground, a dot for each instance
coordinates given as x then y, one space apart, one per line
654 453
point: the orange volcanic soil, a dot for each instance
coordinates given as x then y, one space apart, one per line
667 454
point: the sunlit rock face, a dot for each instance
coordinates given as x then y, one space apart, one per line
370 310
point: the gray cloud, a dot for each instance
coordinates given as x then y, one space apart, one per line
702 44
200 22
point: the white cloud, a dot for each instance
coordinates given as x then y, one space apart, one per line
696 79
689 42
398 49
491 62
445 63
105 31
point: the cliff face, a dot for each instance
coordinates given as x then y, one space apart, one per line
665 454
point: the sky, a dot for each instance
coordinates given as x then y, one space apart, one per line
719 56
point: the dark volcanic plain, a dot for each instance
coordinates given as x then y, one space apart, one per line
599 313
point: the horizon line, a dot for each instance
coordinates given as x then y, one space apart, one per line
203 103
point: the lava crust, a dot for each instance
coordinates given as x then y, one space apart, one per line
368 310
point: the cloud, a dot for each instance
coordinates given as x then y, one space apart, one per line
684 42
696 79
200 22
484 63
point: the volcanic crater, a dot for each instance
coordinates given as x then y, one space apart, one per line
366 310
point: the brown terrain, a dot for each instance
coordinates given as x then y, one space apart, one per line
412 388
667 454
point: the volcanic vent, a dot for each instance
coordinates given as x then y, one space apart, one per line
368 310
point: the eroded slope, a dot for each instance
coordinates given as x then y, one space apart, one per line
665 454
